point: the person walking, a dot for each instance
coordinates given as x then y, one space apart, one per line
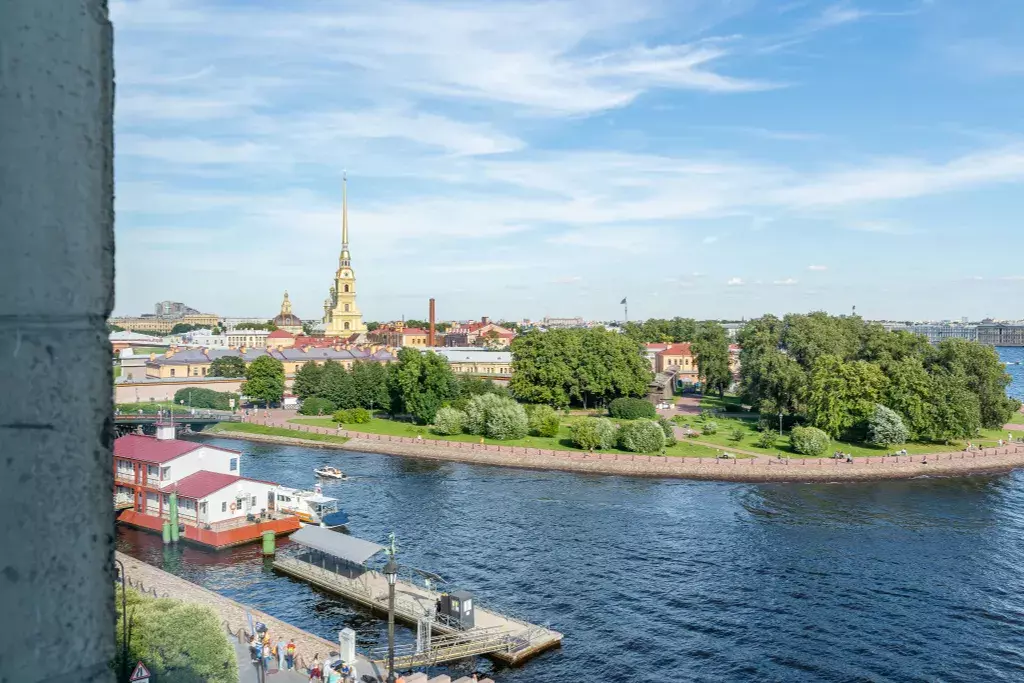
280 654
289 654
314 669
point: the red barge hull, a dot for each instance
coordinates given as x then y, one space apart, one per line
240 535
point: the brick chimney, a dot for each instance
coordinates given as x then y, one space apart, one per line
485 320
432 333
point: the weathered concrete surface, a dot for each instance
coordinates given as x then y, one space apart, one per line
56 290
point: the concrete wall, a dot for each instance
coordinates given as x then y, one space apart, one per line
56 291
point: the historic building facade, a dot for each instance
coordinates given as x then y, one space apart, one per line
341 314
286 320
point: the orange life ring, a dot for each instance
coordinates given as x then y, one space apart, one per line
233 507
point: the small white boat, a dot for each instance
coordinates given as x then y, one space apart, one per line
330 472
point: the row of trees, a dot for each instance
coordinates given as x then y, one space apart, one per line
364 386
834 372
586 367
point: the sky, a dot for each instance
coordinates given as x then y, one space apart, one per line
520 159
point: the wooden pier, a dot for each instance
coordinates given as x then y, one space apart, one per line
503 638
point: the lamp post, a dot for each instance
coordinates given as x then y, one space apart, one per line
391 574
780 424
124 623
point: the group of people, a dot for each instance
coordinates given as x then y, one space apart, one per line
263 651
326 672
839 455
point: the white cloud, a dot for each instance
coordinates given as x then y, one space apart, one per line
788 282
818 268
735 282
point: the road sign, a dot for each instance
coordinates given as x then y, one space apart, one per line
141 674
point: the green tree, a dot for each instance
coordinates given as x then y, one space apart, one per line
641 436
632 409
544 421
182 328
420 383
370 384
711 347
111 327
984 375
843 395
886 428
766 439
308 380
264 380
178 641
809 440
908 392
372 326
337 386
205 398
448 421
316 405
590 433
227 366
955 411
497 417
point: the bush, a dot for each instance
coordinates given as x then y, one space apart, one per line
315 405
710 427
809 440
589 433
449 421
497 417
668 428
206 399
886 428
641 436
178 641
632 409
736 435
766 440
353 416
544 421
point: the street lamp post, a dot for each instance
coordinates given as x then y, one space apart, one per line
391 573
124 622
780 424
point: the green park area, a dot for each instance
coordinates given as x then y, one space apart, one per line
561 442
836 383
228 428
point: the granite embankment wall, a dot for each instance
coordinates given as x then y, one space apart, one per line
755 469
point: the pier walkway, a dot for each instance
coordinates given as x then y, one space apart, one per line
334 562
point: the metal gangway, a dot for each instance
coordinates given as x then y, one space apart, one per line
430 650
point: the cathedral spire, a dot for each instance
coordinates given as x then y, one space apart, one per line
345 259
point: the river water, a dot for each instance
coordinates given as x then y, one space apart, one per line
884 581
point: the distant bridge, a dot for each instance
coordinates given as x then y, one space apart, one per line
129 423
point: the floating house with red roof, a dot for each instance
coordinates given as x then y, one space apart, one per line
216 505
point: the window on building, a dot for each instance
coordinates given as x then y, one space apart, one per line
172 372
346 326
254 501
233 465
224 506
195 372
346 308
165 473
346 288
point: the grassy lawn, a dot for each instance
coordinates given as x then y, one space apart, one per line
727 403
227 427
748 428
561 442
146 350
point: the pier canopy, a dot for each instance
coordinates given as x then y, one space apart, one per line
348 548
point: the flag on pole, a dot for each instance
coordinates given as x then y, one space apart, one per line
623 302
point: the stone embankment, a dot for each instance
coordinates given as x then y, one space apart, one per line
755 469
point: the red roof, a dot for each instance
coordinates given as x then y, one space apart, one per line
203 483
280 334
413 330
677 350
151 449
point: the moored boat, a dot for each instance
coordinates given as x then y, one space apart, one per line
311 507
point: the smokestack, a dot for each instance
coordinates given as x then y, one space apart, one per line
432 334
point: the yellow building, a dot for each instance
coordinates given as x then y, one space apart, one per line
286 320
164 325
341 314
397 335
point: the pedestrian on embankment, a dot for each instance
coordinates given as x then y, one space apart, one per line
289 653
280 654
314 669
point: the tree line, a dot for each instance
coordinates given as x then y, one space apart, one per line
833 372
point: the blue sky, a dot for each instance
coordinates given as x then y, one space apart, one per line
718 158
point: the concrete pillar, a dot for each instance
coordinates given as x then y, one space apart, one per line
56 290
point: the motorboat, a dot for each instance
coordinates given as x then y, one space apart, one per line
330 472
311 507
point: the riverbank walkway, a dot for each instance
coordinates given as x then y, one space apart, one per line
757 468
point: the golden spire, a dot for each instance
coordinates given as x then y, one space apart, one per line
344 210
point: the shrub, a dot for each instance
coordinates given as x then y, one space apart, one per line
544 421
641 436
632 409
736 434
710 427
589 433
766 439
316 406
496 416
668 428
886 428
206 399
353 416
809 440
449 421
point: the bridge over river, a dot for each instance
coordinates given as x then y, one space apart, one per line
125 424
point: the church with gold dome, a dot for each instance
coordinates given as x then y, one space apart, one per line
286 320
341 314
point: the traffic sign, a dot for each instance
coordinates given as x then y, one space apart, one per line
141 674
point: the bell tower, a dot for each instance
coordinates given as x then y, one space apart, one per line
341 314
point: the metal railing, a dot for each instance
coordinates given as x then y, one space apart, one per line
448 648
